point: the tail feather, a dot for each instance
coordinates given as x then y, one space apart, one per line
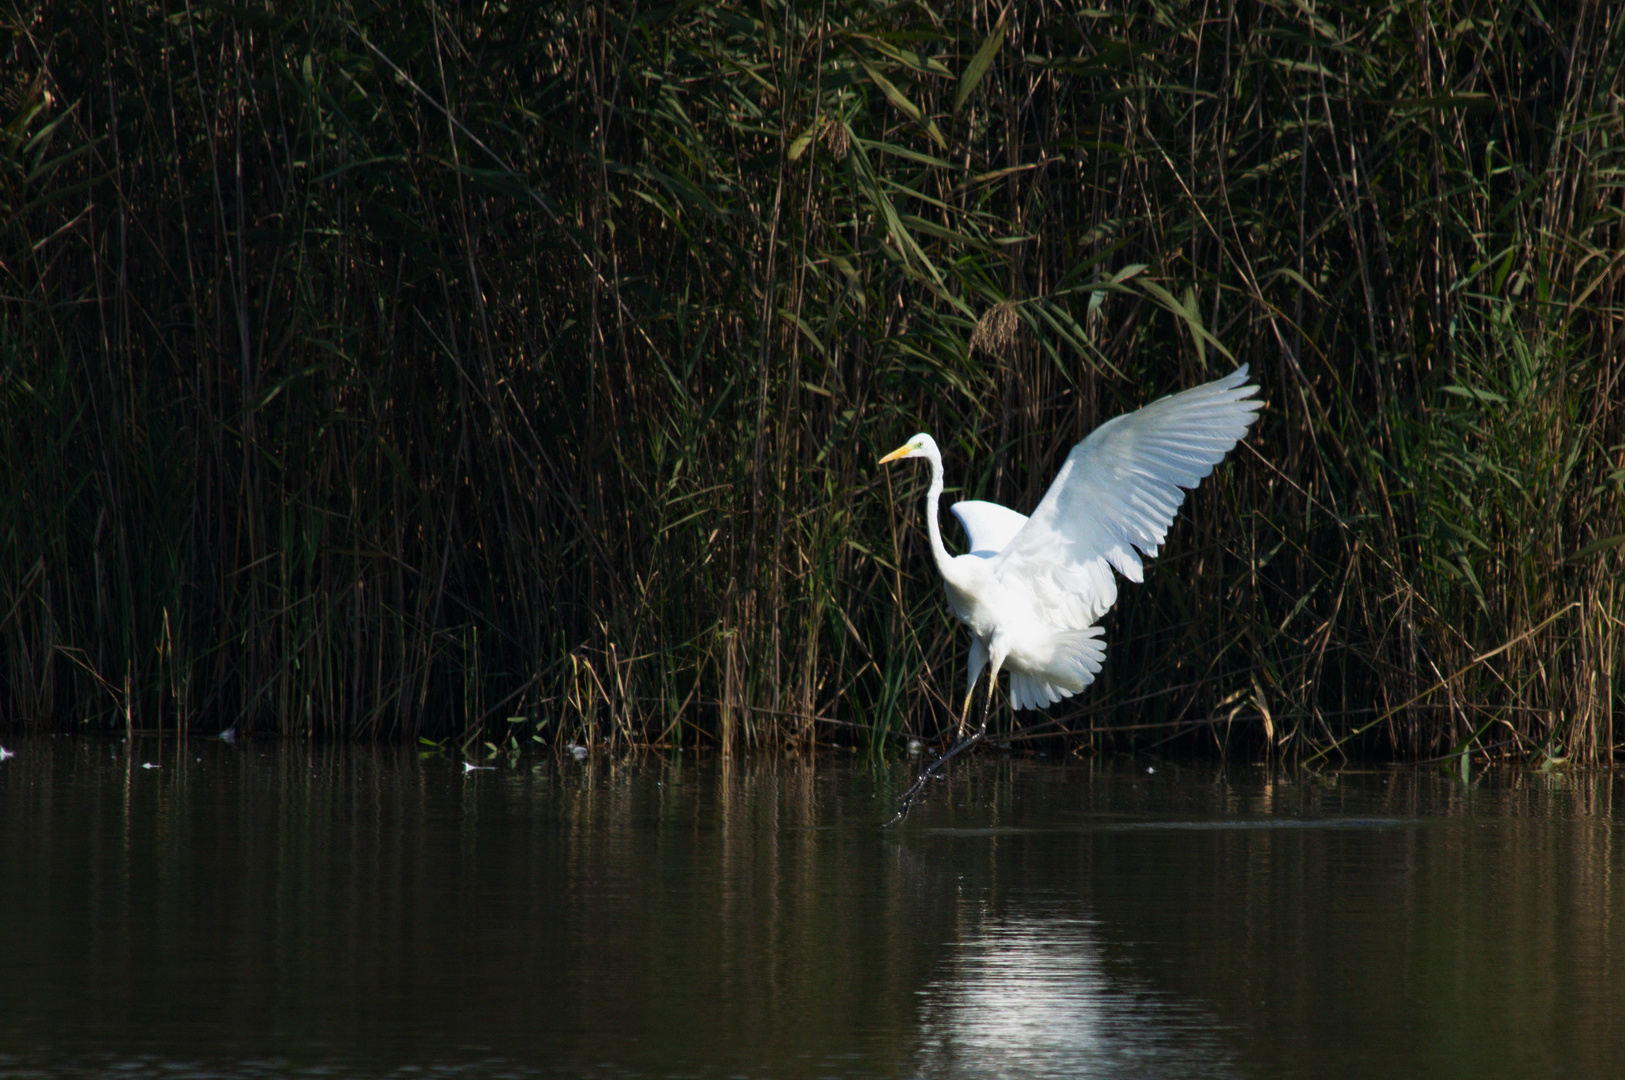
1076 659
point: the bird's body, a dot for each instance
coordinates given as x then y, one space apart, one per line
1032 589
1046 662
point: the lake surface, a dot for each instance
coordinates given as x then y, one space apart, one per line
269 909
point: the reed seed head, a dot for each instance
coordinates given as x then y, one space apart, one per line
836 139
996 330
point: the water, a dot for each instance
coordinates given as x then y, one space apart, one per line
270 910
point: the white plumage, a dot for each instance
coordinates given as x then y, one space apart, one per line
1032 588
988 526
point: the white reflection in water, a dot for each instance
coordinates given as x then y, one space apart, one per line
1030 997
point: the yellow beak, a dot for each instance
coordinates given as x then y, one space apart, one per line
901 451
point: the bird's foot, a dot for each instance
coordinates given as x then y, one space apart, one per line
933 769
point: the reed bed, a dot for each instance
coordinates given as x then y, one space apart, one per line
516 374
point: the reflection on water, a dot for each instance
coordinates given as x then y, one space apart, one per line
1033 996
259 910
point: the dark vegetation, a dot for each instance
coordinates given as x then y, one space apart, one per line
394 369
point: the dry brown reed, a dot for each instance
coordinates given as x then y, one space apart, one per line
389 369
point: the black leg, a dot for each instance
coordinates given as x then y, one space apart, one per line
931 770
965 743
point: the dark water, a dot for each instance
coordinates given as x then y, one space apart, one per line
271 910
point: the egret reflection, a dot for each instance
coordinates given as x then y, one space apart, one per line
1031 997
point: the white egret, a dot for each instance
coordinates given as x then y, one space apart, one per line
1032 588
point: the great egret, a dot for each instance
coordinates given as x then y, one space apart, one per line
1032 588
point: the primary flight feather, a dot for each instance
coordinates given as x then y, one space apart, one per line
1032 588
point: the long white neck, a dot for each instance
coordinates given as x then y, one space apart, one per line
932 498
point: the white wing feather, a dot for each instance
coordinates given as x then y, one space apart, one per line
989 526
1119 490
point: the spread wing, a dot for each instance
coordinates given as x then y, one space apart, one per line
989 526
1117 492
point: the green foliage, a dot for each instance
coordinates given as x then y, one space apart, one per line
388 368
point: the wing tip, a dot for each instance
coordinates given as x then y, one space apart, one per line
1237 379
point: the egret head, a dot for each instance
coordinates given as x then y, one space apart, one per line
921 445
